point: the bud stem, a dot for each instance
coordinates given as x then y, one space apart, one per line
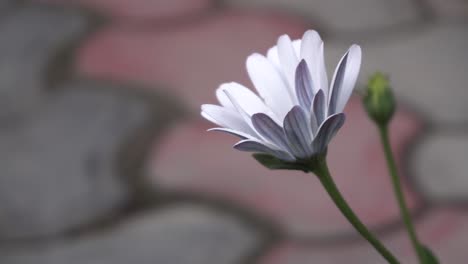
404 211
323 173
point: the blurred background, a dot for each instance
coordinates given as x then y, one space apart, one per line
105 159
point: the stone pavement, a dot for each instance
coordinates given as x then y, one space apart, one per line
106 160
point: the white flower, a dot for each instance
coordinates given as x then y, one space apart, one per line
297 113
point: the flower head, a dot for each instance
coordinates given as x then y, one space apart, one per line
379 100
296 113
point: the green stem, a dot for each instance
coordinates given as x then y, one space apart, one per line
321 170
404 211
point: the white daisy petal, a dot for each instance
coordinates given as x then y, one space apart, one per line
288 59
225 117
272 55
319 108
298 133
269 84
239 134
243 113
322 70
297 47
262 147
312 52
310 43
304 85
344 79
223 99
337 84
327 131
270 130
244 98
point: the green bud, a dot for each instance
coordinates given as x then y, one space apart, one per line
379 100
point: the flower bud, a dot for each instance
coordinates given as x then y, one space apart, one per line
379 100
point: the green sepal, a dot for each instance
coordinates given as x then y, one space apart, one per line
274 163
429 257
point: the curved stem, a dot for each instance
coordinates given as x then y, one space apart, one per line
404 211
323 174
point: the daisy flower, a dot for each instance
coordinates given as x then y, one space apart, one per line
296 112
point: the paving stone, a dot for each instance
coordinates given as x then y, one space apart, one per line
29 38
182 235
440 166
431 80
6 5
447 9
344 16
60 170
442 230
141 9
426 68
207 165
192 61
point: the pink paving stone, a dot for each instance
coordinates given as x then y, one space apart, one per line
190 159
140 9
192 60
444 231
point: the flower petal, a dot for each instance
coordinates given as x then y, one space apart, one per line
297 47
312 52
304 85
288 60
337 84
262 147
270 130
239 134
269 84
244 98
344 79
223 99
322 69
226 117
319 110
326 132
298 133
273 56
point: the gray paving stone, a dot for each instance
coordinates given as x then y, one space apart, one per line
440 166
29 38
61 169
6 5
344 16
450 9
427 69
179 235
